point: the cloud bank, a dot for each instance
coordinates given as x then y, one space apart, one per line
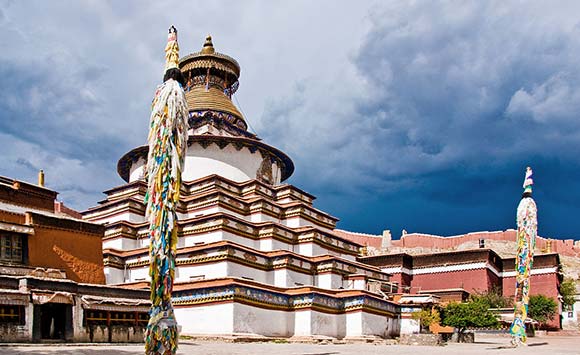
447 106
410 115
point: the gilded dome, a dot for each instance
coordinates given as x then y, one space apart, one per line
211 80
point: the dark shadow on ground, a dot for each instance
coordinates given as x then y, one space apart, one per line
509 346
186 343
538 344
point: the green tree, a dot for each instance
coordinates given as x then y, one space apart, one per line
427 317
469 315
492 298
542 308
568 291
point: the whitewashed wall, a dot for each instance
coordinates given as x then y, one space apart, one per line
308 322
570 317
206 271
410 326
255 320
214 319
290 278
329 280
242 271
237 165
113 275
216 236
237 318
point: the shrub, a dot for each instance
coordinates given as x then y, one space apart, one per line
542 308
568 291
492 298
426 317
469 315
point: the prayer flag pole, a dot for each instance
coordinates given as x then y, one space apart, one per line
527 220
167 146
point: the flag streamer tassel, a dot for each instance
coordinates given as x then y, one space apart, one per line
167 147
527 221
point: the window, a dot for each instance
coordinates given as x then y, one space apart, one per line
127 319
12 314
11 248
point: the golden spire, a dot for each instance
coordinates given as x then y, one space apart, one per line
208 46
41 178
172 50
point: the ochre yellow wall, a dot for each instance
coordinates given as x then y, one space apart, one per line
10 217
79 254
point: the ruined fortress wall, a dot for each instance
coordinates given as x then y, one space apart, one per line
416 240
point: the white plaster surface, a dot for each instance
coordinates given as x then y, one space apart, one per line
214 319
570 317
259 217
255 320
217 236
209 210
125 216
373 324
410 326
136 171
329 280
359 284
237 165
113 275
121 244
138 274
290 278
294 279
332 325
303 323
354 324
201 271
242 271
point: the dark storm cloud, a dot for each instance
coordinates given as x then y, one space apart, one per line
66 104
27 164
54 109
449 105
78 77
413 115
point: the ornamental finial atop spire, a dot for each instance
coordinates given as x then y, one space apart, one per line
208 46
528 181
172 50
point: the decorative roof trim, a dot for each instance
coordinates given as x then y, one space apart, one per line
212 60
287 166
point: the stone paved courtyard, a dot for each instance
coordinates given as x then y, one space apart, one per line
551 345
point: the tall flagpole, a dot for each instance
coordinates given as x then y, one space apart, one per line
527 220
167 146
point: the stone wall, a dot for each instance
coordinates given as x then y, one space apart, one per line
418 243
420 339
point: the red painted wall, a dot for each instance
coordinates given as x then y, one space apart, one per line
545 284
470 280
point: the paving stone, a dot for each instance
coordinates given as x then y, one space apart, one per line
552 345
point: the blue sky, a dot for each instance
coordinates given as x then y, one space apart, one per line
415 115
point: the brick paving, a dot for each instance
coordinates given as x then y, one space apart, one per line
551 345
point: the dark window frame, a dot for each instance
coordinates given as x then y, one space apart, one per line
13 248
12 314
